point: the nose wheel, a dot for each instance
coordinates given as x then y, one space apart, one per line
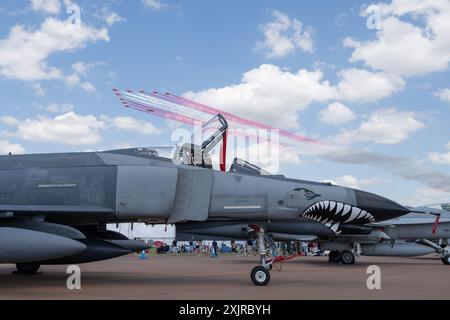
446 260
260 275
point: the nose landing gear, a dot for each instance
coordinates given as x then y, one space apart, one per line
260 275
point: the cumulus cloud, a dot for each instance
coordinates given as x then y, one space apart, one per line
355 183
440 158
24 52
9 120
443 95
153 4
113 18
337 113
59 107
283 36
362 86
109 17
413 38
7 147
270 95
71 128
39 89
274 96
46 6
132 124
384 126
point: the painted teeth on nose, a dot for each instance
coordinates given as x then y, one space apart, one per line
327 204
347 209
362 215
339 207
335 227
355 213
332 205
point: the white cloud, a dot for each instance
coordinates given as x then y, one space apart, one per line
9 120
274 96
81 68
337 113
283 36
406 47
69 128
443 95
39 89
355 183
361 86
428 196
59 107
153 4
87 86
132 124
24 53
7 147
46 6
72 129
439 158
109 17
113 18
384 126
269 95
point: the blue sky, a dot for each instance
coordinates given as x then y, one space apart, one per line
311 67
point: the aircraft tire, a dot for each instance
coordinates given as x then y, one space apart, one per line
446 259
347 257
27 268
334 257
260 276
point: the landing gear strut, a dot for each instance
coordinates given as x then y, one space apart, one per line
445 255
27 268
260 275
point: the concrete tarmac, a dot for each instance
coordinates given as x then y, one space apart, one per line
228 277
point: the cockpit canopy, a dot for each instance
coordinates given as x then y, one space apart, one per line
197 152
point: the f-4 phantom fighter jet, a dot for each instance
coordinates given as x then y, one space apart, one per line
54 207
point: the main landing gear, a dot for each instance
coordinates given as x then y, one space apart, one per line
344 257
27 268
445 255
260 275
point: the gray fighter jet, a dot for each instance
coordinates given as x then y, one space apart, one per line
54 207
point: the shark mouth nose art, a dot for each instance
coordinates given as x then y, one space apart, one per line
333 213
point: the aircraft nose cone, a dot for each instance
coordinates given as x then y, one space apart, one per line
380 207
